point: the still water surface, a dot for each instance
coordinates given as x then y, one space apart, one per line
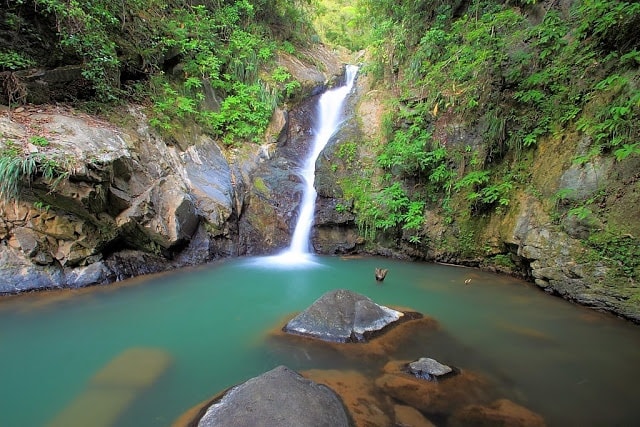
574 366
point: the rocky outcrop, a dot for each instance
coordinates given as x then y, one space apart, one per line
343 316
280 397
121 192
112 192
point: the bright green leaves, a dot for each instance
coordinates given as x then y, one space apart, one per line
407 152
12 60
223 47
86 28
458 62
482 191
244 114
616 122
613 24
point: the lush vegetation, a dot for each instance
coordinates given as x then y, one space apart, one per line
211 62
516 71
520 72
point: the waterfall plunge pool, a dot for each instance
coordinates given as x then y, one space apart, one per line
570 364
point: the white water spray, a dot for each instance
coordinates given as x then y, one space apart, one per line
329 118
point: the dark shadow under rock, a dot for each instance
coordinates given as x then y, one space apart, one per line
280 397
345 316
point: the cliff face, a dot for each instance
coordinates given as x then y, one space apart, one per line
123 189
105 202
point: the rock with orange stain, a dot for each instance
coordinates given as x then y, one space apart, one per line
502 412
343 316
433 397
378 350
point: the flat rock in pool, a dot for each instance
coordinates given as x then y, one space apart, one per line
342 316
280 397
428 369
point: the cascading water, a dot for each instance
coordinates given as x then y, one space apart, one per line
329 118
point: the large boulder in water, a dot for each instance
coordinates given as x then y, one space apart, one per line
280 397
342 316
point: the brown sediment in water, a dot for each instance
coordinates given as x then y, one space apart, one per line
366 405
114 387
593 316
439 398
502 412
525 332
408 416
192 416
41 299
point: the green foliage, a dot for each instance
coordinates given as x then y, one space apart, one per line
284 79
627 150
614 123
244 114
40 141
580 212
222 49
212 52
11 60
13 170
348 151
17 170
623 250
472 179
503 260
483 192
612 25
86 28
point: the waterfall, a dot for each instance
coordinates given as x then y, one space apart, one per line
330 115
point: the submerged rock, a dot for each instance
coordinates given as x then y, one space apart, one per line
114 388
453 392
280 397
502 412
342 316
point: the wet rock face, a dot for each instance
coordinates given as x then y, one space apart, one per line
274 187
342 316
280 397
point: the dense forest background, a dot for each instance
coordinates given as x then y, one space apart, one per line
478 90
